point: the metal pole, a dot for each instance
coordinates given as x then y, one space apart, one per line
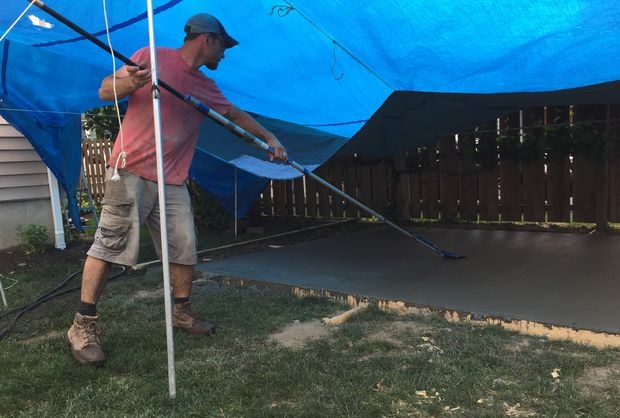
162 203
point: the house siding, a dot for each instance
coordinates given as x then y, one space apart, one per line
24 187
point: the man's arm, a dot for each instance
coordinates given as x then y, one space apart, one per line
250 124
128 80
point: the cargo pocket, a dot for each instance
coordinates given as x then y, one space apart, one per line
115 223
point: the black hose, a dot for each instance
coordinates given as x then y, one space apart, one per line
44 297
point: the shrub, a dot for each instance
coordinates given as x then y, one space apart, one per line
33 238
208 213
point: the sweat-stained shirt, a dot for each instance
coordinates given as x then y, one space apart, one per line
180 122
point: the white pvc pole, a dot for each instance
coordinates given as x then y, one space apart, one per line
236 210
3 295
59 230
162 203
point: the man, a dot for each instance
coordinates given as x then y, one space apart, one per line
131 186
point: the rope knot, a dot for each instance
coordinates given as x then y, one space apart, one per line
281 9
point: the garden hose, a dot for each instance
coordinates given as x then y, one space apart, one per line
44 297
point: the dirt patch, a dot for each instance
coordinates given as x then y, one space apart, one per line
517 410
42 338
398 329
13 259
596 379
148 294
403 337
518 344
298 334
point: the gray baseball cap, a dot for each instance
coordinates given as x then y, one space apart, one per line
206 23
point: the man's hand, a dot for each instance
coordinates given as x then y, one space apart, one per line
248 123
139 77
128 79
280 152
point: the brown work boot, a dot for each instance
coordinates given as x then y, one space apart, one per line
184 317
84 338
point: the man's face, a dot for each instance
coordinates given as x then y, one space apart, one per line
215 50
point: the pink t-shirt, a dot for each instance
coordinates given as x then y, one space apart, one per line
180 122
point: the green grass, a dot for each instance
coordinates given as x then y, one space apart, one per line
375 365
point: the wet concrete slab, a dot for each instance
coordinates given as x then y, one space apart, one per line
570 280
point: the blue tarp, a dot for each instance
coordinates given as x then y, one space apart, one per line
317 70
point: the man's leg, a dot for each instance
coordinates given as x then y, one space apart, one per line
182 256
84 336
181 277
118 240
183 316
94 278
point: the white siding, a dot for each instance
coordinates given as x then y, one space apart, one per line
24 189
22 173
7 131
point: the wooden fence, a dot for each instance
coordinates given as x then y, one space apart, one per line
95 154
547 164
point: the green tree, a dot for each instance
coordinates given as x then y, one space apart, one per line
103 121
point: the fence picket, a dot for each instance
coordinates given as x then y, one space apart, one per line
350 188
613 171
488 178
267 202
311 198
300 197
558 189
279 197
468 180
430 184
323 192
379 178
335 178
448 179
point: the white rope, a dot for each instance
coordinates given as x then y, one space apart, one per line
121 159
17 20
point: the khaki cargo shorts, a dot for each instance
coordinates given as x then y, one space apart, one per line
131 202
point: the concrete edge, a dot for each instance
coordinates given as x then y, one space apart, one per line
598 339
